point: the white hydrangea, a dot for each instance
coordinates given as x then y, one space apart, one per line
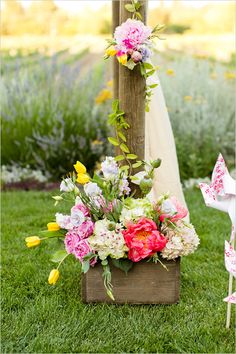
110 168
107 242
181 242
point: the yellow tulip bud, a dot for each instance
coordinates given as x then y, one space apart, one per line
53 226
111 51
79 167
122 59
32 241
82 178
53 276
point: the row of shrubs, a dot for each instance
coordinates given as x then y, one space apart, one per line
51 117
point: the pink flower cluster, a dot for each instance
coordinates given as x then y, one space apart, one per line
76 238
143 239
132 38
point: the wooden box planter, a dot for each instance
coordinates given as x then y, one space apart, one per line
146 283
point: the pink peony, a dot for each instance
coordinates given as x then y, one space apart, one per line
172 209
143 239
131 35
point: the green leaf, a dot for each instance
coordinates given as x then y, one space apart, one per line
131 156
123 264
137 5
85 266
150 73
137 164
148 66
142 69
124 148
138 14
130 64
130 7
58 256
119 158
113 141
147 109
115 105
122 136
153 86
124 168
58 233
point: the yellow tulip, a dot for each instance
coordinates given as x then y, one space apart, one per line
122 59
79 167
53 276
111 51
32 241
53 226
82 178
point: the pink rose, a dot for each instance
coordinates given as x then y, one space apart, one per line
171 209
77 246
86 229
81 207
136 57
143 239
82 248
71 240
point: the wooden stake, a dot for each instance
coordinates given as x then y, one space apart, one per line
228 313
115 23
132 94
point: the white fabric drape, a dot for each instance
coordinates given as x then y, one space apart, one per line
159 143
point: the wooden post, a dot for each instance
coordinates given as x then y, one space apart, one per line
132 94
115 23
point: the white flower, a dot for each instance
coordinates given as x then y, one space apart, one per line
107 243
91 189
137 178
67 185
110 168
167 207
181 242
63 221
77 216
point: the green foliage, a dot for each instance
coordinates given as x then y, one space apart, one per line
53 319
49 116
123 264
59 256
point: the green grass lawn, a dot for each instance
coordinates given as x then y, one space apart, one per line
40 318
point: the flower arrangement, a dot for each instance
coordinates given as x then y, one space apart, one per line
132 45
106 224
110 217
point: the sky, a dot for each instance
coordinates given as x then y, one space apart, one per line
78 5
